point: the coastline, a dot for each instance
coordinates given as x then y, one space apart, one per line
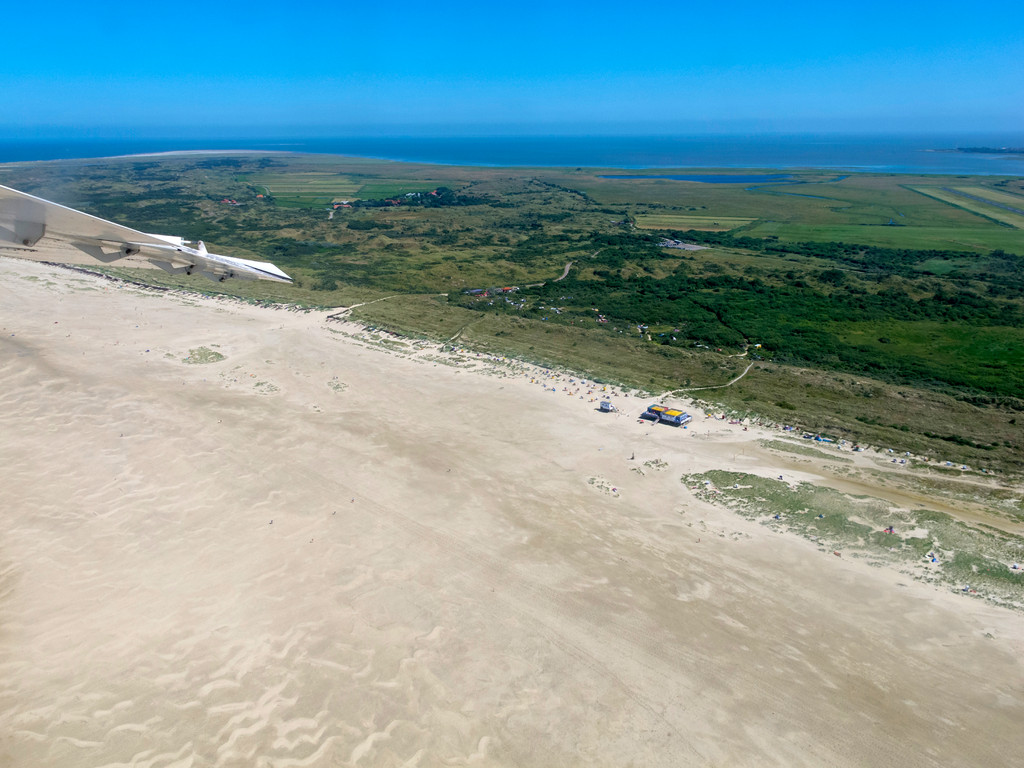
895 154
174 152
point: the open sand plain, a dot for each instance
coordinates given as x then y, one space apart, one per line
321 551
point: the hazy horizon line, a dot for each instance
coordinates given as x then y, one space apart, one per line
463 131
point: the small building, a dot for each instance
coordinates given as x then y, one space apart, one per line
607 407
667 415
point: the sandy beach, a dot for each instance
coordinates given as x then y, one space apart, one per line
241 536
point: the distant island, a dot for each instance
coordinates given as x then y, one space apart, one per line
992 150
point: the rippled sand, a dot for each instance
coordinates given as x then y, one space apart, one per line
315 552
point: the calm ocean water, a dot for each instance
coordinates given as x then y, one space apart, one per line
892 154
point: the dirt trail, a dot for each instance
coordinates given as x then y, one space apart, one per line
716 386
343 312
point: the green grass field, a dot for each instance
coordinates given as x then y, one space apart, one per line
861 208
684 221
995 195
979 239
974 206
306 188
379 189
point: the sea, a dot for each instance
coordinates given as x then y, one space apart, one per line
902 154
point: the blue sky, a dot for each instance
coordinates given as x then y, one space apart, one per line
258 68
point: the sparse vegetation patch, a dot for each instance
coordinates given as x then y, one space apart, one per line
203 356
930 546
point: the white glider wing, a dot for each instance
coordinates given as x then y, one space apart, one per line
26 219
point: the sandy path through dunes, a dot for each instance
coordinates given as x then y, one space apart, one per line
316 553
